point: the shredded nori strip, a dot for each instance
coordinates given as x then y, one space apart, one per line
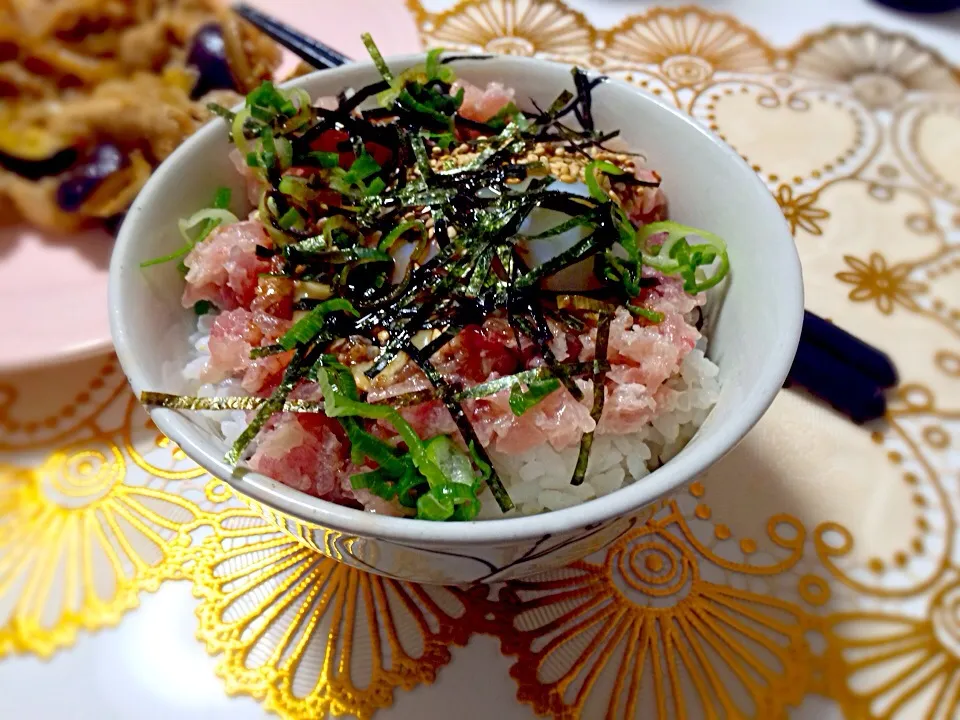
187 402
468 433
301 362
599 374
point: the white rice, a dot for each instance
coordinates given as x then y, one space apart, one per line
231 422
539 479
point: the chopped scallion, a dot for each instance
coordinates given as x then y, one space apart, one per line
593 183
537 390
290 218
324 159
307 327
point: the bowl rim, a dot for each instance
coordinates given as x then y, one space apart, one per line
498 531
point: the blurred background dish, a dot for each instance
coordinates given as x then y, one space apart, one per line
97 94
94 96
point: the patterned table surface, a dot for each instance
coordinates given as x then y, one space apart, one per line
813 573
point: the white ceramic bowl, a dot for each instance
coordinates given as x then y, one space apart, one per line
707 184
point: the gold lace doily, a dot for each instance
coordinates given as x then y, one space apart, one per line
95 507
819 558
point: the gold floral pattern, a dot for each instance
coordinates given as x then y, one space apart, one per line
880 67
875 281
688 45
897 667
79 542
511 27
311 636
800 211
643 634
172 464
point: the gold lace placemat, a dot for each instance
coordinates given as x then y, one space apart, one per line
819 558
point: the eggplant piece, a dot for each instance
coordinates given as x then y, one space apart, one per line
83 179
208 54
37 169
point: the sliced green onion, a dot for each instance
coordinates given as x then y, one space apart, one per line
268 149
178 253
290 218
505 115
627 233
296 187
434 506
377 482
205 220
221 199
652 315
411 103
363 445
267 211
676 256
467 511
433 62
217 216
325 160
337 222
268 96
284 150
303 104
387 242
307 327
375 188
377 58
238 130
523 400
451 460
362 168
593 183
337 404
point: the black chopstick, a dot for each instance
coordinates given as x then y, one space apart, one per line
845 347
842 370
836 382
312 51
831 364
